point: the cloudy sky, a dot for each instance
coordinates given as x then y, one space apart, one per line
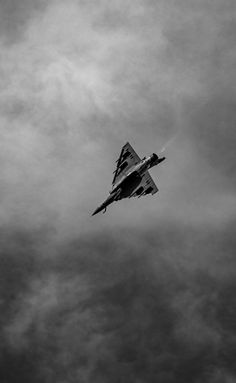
146 292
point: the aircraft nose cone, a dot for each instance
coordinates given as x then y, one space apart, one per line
97 210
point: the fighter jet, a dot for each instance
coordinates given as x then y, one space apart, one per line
131 177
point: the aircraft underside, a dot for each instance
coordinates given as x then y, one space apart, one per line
129 185
131 177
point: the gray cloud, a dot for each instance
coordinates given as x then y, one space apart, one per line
15 16
104 309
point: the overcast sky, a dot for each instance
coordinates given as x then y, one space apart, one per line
146 292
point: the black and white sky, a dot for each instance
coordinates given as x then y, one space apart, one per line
146 292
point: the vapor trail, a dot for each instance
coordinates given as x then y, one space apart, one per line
170 141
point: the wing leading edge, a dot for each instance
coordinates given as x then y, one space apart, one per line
128 158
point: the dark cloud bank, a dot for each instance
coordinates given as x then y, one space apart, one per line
105 311
145 293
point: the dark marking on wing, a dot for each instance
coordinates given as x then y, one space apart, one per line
122 167
126 155
149 190
139 191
